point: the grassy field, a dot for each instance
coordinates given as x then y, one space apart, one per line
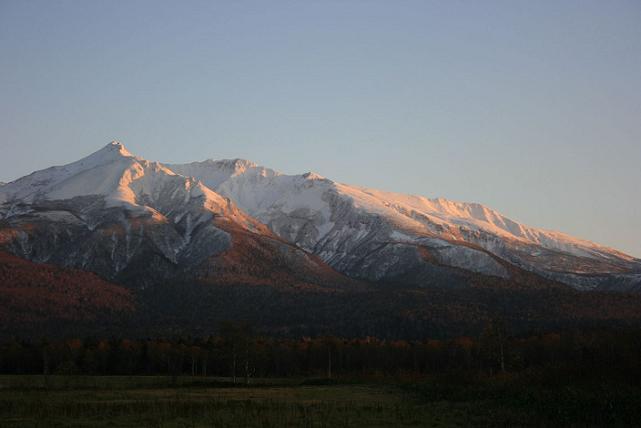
156 401
188 402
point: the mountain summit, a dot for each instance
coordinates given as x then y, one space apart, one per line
377 235
126 217
178 248
137 221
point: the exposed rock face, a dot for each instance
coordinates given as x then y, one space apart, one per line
142 222
378 235
127 219
179 248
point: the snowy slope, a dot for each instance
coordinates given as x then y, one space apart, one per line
112 172
359 230
123 217
265 193
113 212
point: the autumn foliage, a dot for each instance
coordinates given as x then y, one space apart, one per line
35 292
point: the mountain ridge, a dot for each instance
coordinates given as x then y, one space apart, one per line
177 248
129 219
185 214
478 210
303 209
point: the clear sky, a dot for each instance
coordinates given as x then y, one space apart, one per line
530 107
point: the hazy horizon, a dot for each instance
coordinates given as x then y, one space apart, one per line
530 109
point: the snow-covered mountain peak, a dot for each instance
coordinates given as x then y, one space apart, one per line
135 210
97 173
117 176
360 231
213 173
328 217
311 175
112 151
239 165
236 165
119 146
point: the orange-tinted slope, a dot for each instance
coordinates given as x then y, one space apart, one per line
265 259
35 292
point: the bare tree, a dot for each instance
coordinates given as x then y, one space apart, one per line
493 343
331 343
238 341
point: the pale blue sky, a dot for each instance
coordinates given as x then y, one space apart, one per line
530 107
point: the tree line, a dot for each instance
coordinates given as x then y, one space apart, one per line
236 351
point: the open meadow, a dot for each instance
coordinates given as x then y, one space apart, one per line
185 401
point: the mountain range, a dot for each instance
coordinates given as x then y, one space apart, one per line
143 226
